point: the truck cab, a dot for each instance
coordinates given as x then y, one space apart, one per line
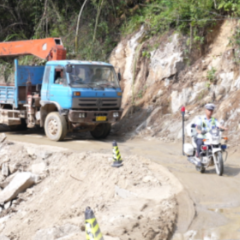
86 94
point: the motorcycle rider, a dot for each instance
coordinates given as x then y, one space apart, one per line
204 124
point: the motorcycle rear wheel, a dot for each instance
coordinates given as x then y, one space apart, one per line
219 164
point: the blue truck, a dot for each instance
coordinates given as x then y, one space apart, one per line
63 96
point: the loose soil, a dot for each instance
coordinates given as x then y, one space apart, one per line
136 201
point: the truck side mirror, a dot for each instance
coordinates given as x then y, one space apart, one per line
69 68
119 76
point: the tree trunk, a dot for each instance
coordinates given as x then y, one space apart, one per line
191 37
55 10
215 4
78 23
97 19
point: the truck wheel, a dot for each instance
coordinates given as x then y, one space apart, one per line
108 129
101 131
55 126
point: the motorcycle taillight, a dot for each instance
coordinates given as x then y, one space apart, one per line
204 148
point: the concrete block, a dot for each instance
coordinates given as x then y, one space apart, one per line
20 183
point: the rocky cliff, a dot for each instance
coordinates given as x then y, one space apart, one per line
161 74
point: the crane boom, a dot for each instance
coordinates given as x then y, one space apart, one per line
47 49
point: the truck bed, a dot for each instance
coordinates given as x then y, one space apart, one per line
7 93
15 93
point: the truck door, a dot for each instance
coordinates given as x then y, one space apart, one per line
45 84
59 90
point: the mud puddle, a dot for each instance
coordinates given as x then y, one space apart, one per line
210 208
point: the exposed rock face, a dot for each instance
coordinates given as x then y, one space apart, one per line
166 62
213 77
123 59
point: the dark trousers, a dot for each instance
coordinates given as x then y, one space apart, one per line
199 143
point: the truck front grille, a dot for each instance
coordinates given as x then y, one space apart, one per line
96 103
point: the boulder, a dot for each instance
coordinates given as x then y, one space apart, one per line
35 153
20 183
69 228
3 137
13 167
4 183
31 152
2 237
38 168
5 169
47 234
7 205
2 178
62 232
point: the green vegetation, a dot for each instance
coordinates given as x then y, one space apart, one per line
192 18
211 74
235 42
90 29
98 23
141 92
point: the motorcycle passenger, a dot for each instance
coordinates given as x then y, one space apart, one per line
204 124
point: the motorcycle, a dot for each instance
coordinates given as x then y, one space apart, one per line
211 152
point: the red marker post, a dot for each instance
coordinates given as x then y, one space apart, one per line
183 134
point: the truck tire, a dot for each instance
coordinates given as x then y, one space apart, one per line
101 131
55 126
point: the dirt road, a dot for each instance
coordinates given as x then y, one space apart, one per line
209 207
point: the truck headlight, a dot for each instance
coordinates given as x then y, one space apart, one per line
81 115
116 115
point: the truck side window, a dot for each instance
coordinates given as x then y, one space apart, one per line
59 76
46 74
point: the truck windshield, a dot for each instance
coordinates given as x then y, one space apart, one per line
93 76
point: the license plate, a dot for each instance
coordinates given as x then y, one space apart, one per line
101 118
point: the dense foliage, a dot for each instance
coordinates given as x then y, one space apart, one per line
191 17
102 22
98 30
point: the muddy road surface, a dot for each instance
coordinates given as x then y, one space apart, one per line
209 207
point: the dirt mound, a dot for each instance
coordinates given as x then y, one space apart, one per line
136 201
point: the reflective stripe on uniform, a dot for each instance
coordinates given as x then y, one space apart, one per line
206 126
213 123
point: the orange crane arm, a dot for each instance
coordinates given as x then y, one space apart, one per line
47 49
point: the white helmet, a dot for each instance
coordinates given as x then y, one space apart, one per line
188 149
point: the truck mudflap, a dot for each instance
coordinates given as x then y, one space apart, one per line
78 116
